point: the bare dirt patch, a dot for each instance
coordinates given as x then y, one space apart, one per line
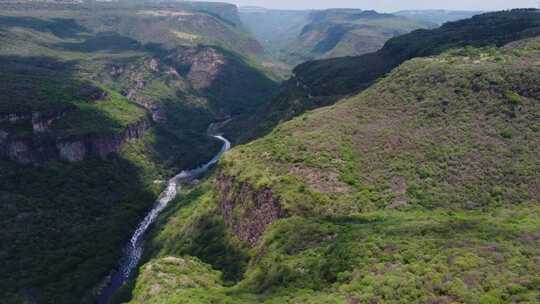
319 180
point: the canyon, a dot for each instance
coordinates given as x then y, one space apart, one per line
195 152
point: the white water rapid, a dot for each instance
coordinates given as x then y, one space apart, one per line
133 250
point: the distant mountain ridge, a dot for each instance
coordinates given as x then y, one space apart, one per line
298 36
437 16
496 28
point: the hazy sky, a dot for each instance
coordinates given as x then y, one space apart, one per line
391 5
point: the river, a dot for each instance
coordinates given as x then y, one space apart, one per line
133 251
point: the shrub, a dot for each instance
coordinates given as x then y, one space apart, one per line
507 134
513 98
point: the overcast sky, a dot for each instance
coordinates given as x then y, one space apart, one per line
390 5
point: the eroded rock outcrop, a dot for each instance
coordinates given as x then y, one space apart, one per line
42 121
202 65
188 69
35 149
71 150
246 210
102 146
137 77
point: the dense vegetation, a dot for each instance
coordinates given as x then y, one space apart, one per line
323 82
48 85
99 68
421 189
63 225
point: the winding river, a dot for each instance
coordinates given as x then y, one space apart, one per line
133 250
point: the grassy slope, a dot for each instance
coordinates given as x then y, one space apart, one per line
66 223
323 82
475 109
422 189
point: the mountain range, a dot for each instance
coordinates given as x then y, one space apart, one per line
293 37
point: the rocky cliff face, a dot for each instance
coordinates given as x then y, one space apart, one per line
246 210
189 70
41 121
202 65
100 146
36 148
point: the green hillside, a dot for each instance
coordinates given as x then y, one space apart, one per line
323 82
421 189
